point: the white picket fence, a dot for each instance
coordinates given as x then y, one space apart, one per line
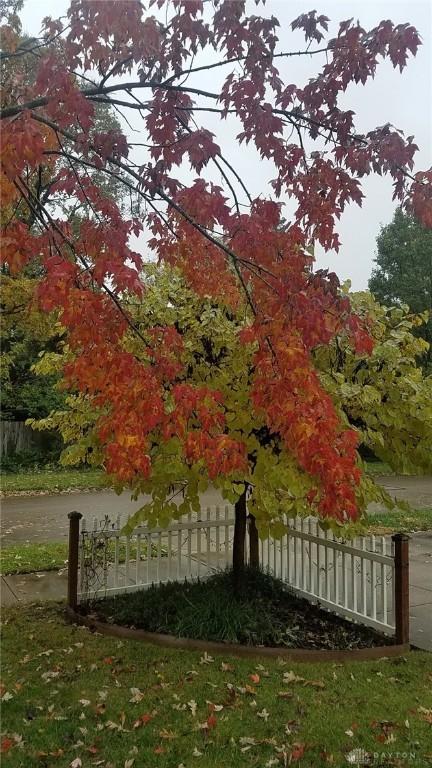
352 578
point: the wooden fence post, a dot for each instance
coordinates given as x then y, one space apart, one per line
74 526
401 590
253 543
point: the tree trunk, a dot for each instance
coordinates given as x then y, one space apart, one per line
239 539
253 543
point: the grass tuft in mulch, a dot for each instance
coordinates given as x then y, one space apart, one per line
261 613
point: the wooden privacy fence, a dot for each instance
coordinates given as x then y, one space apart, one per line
364 579
15 437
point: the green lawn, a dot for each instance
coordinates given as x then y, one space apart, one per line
56 480
403 522
27 558
378 468
53 480
71 698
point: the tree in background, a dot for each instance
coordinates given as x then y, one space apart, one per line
229 246
25 333
403 274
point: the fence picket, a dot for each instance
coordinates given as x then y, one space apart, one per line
281 556
179 554
364 580
374 581
127 556
138 558
149 555
189 545
158 557
199 550
226 535
217 537
354 580
208 536
326 567
345 580
295 580
169 545
336 573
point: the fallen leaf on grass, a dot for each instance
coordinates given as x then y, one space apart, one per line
77 763
206 659
137 696
248 741
211 722
291 677
298 750
254 678
6 745
227 667
196 753
116 726
7 696
315 683
426 714
166 734
143 720
285 695
264 715
193 707
50 675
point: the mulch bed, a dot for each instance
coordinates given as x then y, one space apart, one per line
262 614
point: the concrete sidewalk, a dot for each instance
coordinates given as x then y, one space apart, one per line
52 585
421 590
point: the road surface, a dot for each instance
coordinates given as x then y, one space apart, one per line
44 518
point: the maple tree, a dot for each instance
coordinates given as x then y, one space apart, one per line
384 396
154 69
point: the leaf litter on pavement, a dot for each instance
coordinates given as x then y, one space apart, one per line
72 698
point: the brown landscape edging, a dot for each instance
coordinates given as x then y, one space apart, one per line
187 644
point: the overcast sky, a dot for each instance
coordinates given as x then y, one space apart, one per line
403 100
